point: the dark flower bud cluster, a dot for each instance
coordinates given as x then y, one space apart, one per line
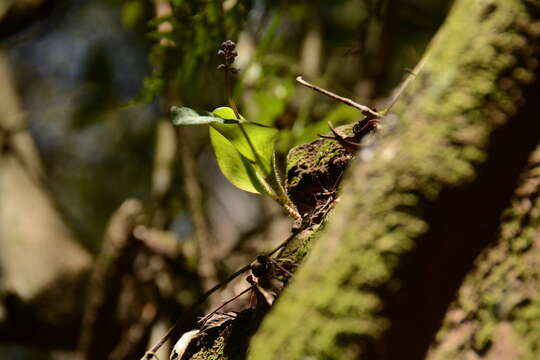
229 53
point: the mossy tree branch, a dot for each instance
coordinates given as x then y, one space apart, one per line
495 314
412 220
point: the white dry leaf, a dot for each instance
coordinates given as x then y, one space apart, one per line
182 344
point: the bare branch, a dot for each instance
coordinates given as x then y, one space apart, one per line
364 109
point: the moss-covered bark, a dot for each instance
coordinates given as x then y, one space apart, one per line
231 340
497 311
412 220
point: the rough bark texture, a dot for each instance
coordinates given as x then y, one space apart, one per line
230 339
413 219
496 314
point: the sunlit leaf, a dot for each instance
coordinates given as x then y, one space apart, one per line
244 158
236 168
187 116
261 138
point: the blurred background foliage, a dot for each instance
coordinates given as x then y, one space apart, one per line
97 78
80 69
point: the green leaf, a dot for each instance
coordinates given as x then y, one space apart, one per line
225 112
236 168
187 116
261 137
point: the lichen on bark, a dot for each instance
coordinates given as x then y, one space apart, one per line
413 219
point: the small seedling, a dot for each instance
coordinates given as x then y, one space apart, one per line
244 149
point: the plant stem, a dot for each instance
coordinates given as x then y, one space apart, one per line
277 190
232 103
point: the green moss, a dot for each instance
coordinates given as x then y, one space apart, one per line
331 310
318 153
299 246
484 335
527 324
327 152
499 292
216 351
315 169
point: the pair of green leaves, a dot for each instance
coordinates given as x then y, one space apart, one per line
244 150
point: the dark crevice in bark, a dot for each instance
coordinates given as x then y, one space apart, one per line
463 221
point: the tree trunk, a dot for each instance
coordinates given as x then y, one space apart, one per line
495 315
413 219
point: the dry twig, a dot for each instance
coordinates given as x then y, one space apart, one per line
364 109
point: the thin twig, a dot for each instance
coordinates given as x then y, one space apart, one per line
412 75
290 274
149 354
364 109
204 319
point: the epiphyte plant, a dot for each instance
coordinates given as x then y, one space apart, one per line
244 149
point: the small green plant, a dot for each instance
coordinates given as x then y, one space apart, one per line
244 149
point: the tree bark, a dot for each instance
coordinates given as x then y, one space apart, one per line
495 314
412 219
